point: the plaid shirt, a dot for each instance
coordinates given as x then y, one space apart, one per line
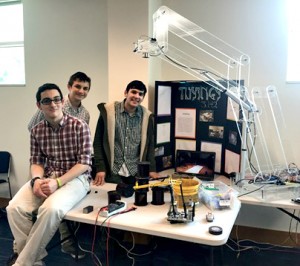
59 149
81 112
127 139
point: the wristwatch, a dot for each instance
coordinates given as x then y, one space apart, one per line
33 180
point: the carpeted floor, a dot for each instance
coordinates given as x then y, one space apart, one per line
154 251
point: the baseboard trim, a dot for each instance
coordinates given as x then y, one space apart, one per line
265 236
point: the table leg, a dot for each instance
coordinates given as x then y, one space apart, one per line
211 256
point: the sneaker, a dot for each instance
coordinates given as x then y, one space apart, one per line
70 248
12 259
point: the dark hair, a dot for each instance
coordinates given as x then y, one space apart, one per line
79 76
136 84
45 87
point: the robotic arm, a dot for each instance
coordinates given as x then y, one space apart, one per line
205 57
208 57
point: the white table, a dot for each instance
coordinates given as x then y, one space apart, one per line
152 219
281 201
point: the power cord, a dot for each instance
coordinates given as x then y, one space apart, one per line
240 247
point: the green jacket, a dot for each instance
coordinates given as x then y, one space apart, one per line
105 134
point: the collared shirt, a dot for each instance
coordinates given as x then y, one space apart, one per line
81 112
59 149
127 139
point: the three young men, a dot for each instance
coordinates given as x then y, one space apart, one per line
124 137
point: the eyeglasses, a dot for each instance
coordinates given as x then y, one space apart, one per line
48 101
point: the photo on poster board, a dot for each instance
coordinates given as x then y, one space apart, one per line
213 147
206 116
185 123
216 132
232 162
164 100
163 131
232 137
159 151
167 161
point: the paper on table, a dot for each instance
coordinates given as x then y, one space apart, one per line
194 170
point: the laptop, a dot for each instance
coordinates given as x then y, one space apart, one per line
200 164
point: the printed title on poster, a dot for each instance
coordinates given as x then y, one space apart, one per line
207 96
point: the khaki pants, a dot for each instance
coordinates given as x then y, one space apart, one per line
32 238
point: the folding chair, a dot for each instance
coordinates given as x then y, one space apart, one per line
5 159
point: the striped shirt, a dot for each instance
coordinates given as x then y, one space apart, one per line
59 149
127 139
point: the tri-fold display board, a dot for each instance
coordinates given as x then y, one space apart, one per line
195 116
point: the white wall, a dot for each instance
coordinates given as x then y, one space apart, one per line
127 20
258 28
62 37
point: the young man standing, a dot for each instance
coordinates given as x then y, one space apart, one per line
60 148
124 137
79 86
